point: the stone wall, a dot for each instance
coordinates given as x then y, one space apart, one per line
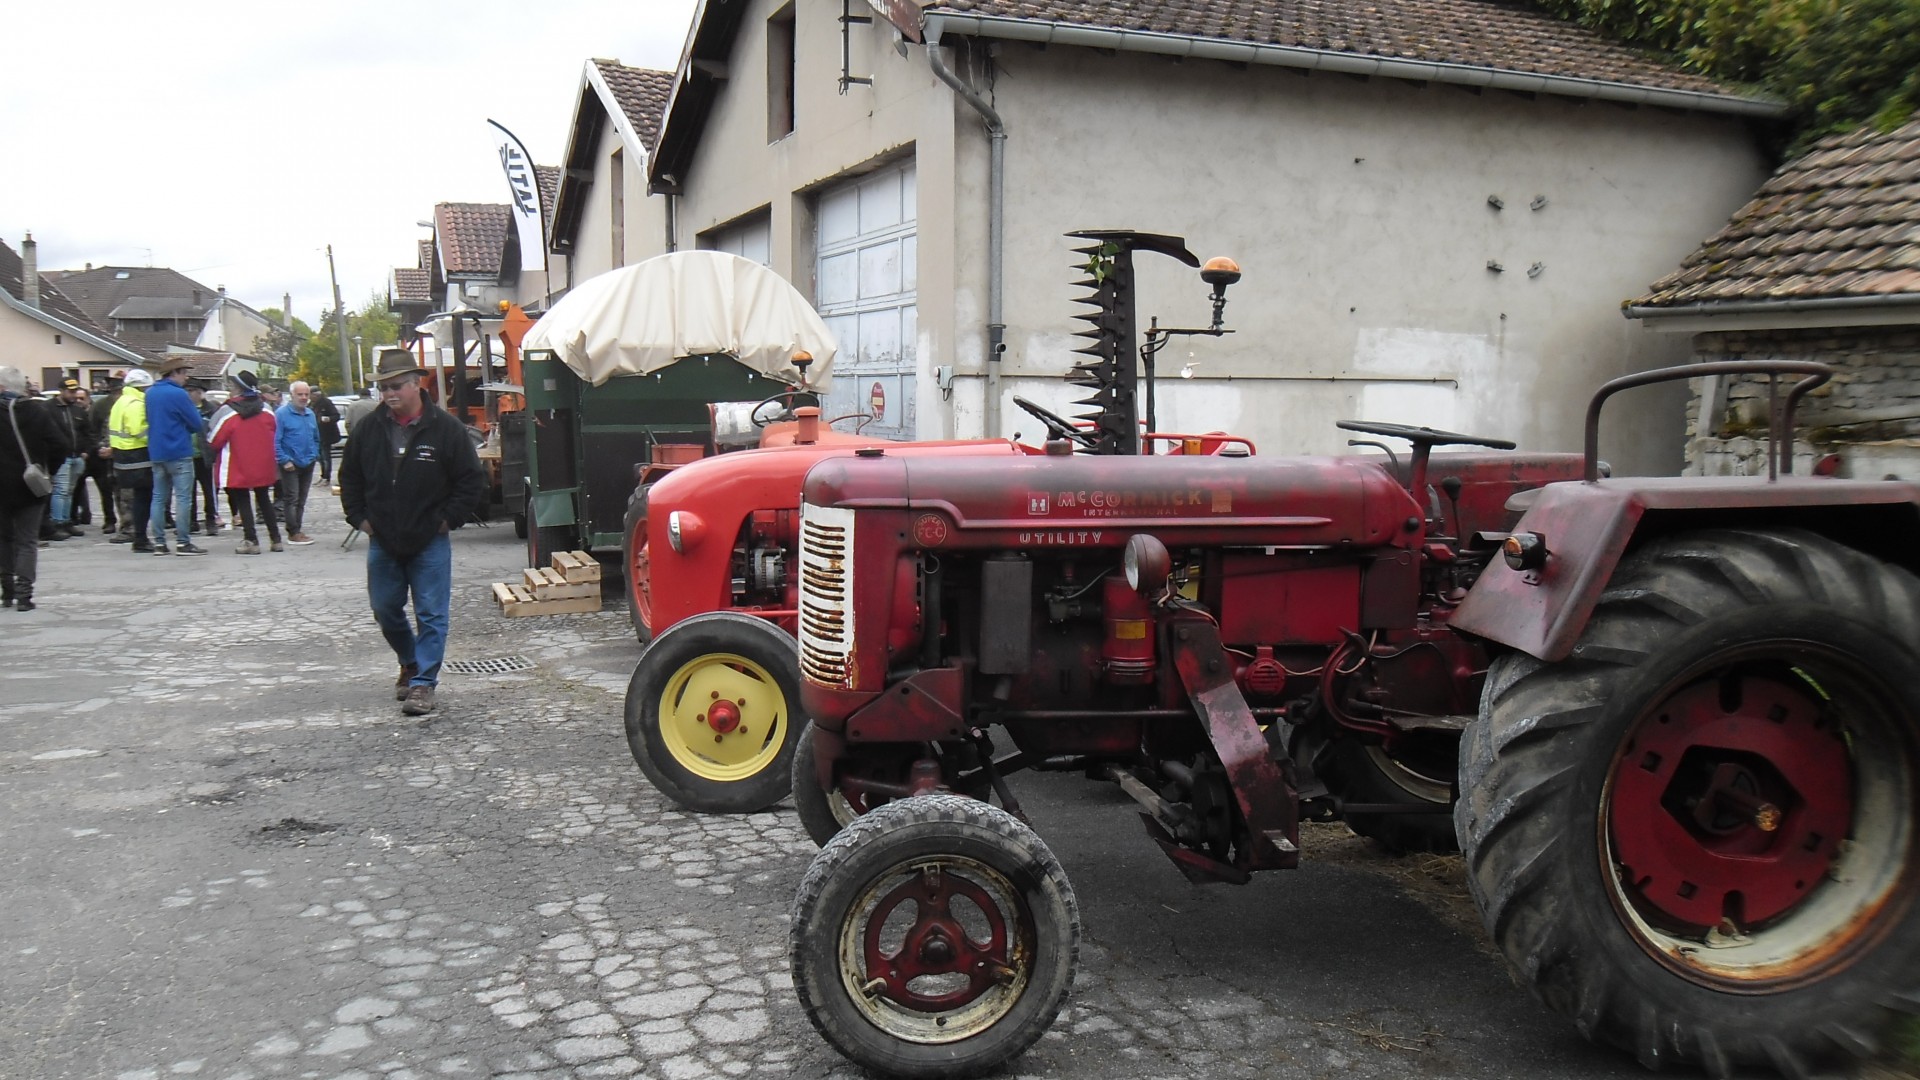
1868 414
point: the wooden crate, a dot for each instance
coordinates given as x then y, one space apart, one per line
577 567
546 583
517 601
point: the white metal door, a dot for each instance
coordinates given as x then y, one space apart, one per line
867 277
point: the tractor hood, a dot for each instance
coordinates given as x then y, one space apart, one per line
641 318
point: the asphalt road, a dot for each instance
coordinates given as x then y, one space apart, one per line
228 855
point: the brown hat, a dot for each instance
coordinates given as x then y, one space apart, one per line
171 364
395 362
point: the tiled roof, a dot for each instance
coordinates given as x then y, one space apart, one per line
1841 221
426 256
101 289
412 285
473 237
547 178
1468 33
53 300
642 94
158 307
208 364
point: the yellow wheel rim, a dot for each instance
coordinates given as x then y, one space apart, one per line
723 717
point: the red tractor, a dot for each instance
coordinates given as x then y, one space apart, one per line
710 543
1676 721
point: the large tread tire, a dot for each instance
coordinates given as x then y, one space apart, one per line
746 769
1752 616
896 842
1362 773
636 569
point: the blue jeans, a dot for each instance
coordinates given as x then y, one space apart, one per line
429 576
173 479
65 479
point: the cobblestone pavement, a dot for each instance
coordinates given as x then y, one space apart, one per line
228 855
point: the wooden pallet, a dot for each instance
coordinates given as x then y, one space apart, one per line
571 586
577 567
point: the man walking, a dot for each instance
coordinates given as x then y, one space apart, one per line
132 469
410 476
173 424
70 422
327 415
296 446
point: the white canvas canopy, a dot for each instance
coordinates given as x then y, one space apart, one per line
641 318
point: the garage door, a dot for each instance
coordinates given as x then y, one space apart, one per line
866 283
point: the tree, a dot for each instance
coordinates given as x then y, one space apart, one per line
318 359
278 349
1836 63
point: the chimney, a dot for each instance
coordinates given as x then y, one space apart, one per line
286 310
30 272
89 268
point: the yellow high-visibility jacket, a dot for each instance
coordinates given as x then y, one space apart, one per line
127 423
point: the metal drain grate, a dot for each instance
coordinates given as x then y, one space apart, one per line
498 665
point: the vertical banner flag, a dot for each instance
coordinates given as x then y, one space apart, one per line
524 201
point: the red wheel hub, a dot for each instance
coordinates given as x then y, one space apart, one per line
1730 801
936 944
723 716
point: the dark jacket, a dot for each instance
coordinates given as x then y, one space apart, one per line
43 448
437 480
328 415
99 414
70 422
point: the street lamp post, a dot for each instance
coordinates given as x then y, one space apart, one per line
359 364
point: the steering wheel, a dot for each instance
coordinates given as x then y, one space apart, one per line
755 418
1420 436
1057 425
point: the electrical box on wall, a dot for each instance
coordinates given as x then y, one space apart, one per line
943 376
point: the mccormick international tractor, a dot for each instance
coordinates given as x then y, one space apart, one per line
709 548
1677 721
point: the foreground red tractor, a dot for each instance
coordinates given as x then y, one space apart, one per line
1683 712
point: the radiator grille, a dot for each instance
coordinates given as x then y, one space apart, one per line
826 595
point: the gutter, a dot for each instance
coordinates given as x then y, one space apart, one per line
996 213
112 347
1046 32
1711 308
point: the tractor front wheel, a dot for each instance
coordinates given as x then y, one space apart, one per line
1696 836
710 715
1417 773
635 559
823 813
934 937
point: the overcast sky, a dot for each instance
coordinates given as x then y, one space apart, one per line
234 141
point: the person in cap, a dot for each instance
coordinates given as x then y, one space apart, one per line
70 420
27 437
100 454
173 423
242 444
206 513
132 469
409 477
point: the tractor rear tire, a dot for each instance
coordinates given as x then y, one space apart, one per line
520 526
710 713
1364 773
977 973
1696 835
822 813
636 565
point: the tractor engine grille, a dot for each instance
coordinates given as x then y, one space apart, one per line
826 595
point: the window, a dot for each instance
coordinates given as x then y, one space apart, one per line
780 74
618 193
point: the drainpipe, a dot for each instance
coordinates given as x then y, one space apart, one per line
996 205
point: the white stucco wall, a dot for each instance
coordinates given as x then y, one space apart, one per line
31 345
646 232
1358 211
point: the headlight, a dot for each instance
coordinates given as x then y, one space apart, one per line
1146 563
683 530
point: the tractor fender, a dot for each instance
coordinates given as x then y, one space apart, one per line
1588 527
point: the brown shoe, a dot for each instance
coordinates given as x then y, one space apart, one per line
419 701
400 684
